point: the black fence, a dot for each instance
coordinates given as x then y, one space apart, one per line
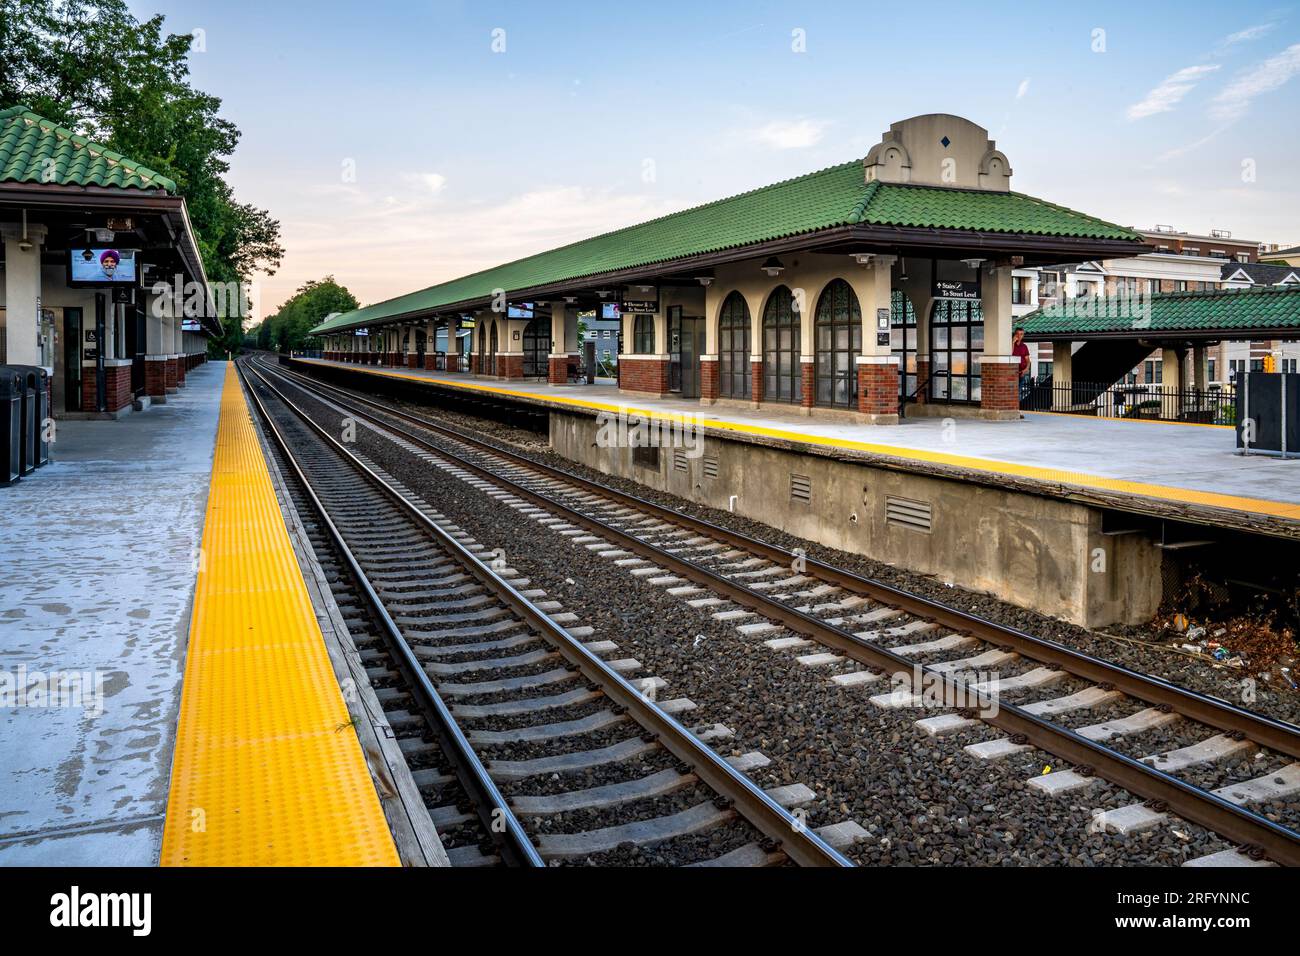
1209 406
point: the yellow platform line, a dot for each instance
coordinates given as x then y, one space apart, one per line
267 770
1190 496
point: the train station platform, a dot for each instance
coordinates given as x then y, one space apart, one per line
98 552
165 691
1185 472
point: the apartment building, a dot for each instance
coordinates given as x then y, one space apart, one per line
1177 262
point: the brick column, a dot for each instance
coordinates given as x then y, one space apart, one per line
709 378
155 379
1000 386
644 375
878 387
510 364
473 363
808 371
430 360
181 371
557 369
756 380
922 374
117 388
412 360
170 368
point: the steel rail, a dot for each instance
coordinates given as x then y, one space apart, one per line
1212 711
795 840
489 803
1192 803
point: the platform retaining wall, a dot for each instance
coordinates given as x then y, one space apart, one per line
1037 552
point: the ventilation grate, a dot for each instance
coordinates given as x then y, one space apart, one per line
680 461
801 489
710 466
905 513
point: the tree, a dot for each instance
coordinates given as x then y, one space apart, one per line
302 312
93 67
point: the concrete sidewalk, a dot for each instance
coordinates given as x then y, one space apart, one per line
98 553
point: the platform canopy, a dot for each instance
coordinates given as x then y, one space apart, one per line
72 184
1263 312
835 210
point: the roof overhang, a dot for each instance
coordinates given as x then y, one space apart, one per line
171 209
1168 335
923 242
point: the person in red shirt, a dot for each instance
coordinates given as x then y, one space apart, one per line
1021 350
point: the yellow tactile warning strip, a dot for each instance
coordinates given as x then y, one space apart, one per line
267 769
1191 496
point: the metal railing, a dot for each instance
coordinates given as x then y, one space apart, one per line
1215 405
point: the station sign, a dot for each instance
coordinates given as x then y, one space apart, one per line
956 291
639 300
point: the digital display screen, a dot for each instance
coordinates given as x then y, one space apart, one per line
102 266
609 310
524 310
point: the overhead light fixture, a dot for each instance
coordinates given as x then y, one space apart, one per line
602 292
973 263
863 258
773 267
104 235
902 270
705 281
570 299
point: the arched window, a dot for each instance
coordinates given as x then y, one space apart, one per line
956 343
482 349
643 335
537 348
839 343
781 376
492 342
902 340
733 348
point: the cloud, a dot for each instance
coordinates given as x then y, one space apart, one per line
1022 89
1171 91
435 181
793 134
1262 78
1250 33
380 249
1189 147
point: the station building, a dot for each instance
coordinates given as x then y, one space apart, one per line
880 283
88 235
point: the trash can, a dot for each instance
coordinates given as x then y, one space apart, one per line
11 424
37 387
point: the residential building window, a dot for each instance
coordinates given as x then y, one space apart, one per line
1150 375
1213 367
643 334
1020 294
1044 369
1257 365
1160 373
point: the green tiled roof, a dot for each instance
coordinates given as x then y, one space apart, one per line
838 196
36 150
1267 307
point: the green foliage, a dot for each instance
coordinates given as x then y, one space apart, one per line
308 307
93 67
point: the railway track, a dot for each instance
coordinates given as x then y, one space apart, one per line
875 636
525 742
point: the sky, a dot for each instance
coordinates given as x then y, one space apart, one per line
404 144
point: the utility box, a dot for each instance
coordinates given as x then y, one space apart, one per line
12 386
1268 414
